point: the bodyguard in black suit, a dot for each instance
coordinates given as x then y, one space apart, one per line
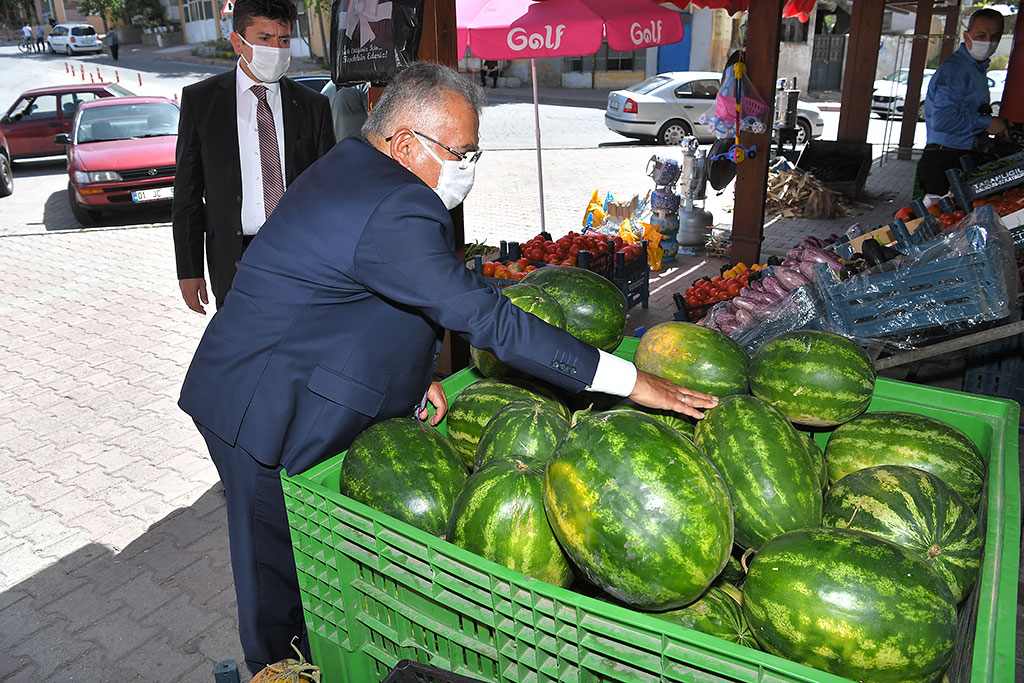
335 320
220 183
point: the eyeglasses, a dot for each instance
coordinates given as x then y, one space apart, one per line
464 157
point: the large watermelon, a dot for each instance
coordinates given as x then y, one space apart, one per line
683 423
521 429
595 309
815 378
914 509
852 604
896 438
817 457
772 480
638 509
500 516
406 469
717 614
471 410
531 299
696 357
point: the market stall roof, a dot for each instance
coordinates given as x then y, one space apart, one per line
799 9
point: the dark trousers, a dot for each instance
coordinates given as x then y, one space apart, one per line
932 167
113 51
262 561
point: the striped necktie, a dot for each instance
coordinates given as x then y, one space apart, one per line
270 156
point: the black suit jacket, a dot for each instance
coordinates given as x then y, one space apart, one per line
208 180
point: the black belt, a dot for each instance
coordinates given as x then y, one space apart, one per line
942 148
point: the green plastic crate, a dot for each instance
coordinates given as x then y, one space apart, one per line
376 590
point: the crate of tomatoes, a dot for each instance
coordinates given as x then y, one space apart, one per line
705 292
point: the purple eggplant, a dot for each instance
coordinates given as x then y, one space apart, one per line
790 278
790 262
730 328
796 253
772 285
745 318
806 269
812 241
744 303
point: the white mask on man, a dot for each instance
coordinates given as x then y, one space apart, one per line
982 49
268 64
456 179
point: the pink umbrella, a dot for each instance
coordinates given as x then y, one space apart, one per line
531 29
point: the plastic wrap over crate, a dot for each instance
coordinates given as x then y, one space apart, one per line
952 284
801 309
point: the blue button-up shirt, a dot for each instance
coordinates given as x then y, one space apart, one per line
956 91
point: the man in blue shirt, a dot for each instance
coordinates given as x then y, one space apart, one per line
957 107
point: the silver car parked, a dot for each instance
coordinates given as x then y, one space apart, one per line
667 107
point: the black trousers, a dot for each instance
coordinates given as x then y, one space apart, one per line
113 51
262 560
932 167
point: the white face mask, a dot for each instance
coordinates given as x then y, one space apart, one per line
982 49
268 63
456 179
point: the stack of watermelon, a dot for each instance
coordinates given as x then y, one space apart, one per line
861 578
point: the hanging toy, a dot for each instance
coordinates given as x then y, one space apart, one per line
738 108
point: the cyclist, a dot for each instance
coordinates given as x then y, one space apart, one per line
26 37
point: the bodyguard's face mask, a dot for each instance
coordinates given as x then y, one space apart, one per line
982 49
457 175
268 63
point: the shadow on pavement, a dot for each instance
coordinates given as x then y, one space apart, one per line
162 609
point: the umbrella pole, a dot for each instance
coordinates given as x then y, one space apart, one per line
536 119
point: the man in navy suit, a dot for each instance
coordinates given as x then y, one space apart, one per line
335 319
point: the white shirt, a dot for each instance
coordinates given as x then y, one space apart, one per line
253 212
26 31
614 375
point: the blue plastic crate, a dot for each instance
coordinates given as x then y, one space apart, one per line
996 369
920 295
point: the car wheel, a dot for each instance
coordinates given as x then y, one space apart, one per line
6 176
803 136
82 215
673 132
67 50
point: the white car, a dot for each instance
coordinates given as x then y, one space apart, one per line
889 96
667 107
996 81
72 39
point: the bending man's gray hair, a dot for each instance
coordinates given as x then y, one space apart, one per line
417 95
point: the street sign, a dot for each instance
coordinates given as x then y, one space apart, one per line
229 7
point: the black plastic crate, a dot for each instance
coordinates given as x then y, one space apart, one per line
408 671
995 369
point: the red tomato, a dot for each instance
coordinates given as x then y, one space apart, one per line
574 249
488 269
567 262
717 281
618 242
523 262
733 289
518 276
529 269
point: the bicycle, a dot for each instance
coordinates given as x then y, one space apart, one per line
26 44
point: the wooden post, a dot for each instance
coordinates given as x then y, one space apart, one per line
762 60
918 60
951 31
859 74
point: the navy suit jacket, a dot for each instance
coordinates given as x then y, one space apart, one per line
336 314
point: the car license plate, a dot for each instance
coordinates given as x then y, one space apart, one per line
153 195
613 104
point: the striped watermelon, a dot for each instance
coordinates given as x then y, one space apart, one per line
531 299
407 469
852 604
500 516
595 309
914 509
717 614
896 438
471 410
696 357
815 378
683 423
814 450
772 480
521 429
638 509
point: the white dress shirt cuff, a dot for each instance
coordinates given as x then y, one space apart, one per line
614 375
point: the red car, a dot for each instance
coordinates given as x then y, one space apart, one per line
39 114
6 177
121 155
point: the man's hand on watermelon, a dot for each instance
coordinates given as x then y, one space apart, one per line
656 392
435 396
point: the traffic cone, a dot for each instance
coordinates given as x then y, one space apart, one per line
140 80
98 76
117 76
83 72
91 79
66 67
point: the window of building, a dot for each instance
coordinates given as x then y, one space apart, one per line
198 10
608 59
793 31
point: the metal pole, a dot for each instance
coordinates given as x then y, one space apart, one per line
536 119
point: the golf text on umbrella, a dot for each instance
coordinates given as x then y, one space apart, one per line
641 35
518 40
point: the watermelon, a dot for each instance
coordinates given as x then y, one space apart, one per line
407 469
734 573
522 428
772 480
914 509
595 309
814 450
683 423
500 516
815 378
531 299
717 614
851 604
696 357
896 438
638 509
471 410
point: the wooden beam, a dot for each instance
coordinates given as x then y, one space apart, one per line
918 59
859 74
762 60
950 32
